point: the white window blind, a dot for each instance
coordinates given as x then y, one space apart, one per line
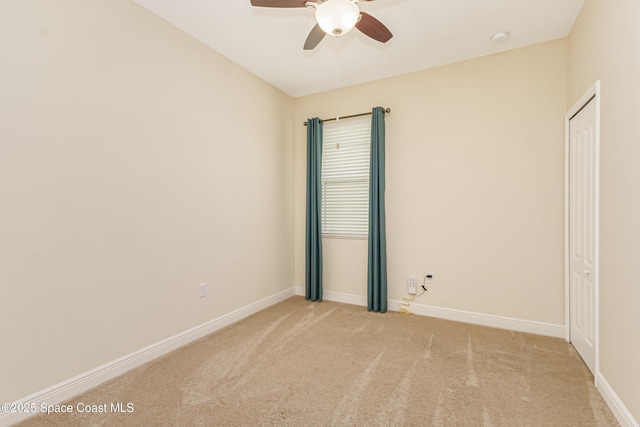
345 177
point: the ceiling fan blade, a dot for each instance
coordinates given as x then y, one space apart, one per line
315 36
373 28
278 3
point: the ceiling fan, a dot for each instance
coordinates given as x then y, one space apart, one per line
334 17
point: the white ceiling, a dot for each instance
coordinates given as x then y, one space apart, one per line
427 33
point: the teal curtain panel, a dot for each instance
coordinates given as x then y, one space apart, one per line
313 246
377 264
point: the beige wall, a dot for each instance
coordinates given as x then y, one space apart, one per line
135 163
475 182
604 45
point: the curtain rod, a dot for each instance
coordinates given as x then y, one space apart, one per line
386 110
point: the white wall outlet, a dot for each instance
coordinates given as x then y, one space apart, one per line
203 290
412 284
431 278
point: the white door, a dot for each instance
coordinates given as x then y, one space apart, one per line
583 177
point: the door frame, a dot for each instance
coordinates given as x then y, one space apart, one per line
593 95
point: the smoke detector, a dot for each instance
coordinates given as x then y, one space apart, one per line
499 38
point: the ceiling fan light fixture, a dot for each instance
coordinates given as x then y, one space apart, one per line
337 17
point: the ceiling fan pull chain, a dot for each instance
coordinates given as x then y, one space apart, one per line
337 78
337 85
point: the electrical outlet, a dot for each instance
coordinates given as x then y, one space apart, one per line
431 278
203 290
412 284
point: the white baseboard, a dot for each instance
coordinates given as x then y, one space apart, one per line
620 411
67 389
529 326
493 321
338 297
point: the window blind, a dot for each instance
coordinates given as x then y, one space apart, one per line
345 177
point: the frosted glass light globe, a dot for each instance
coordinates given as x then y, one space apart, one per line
337 17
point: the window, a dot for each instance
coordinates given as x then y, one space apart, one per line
345 178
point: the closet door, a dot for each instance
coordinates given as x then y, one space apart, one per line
582 231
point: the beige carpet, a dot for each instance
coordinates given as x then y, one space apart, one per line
329 364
